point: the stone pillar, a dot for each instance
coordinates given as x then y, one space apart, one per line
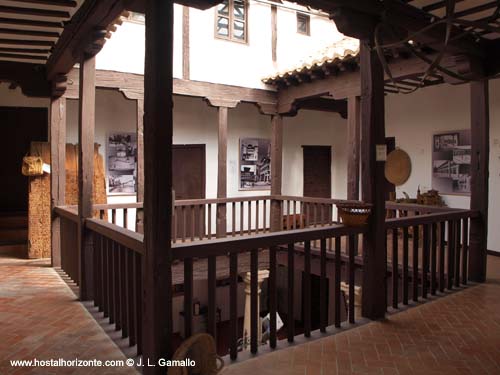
262 275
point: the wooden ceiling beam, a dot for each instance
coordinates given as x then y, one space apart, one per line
25 50
23 42
61 3
30 77
436 6
324 105
23 22
48 34
22 56
34 12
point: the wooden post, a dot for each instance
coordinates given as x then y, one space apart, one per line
185 43
140 164
57 170
222 173
276 171
480 153
373 182
158 129
86 128
353 139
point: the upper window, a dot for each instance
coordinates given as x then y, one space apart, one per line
303 24
231 20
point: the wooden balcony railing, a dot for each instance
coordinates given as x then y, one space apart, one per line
437 262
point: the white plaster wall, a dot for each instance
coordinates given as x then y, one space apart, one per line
221 61
413 119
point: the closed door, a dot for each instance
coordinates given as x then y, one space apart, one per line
188 181
317 182
20 127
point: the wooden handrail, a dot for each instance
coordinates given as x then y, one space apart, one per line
389 205
67 212
313 199
131 240
117 206
436 217
224 246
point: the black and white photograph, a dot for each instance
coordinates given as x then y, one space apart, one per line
122 163
451 162
255 164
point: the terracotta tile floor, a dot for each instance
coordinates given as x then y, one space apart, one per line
41 318
458 334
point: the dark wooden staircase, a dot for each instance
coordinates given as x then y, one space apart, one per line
14 233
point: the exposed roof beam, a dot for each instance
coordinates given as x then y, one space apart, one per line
48 34
23 22
61 3
25 50
34 12
22 42
22 56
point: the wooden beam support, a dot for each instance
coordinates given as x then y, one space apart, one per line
276 171
373 182
86 129
274 32
140 163
480 153
353 147
221 229
158 131
58 171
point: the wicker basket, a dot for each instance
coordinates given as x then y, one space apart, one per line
32 166
354 214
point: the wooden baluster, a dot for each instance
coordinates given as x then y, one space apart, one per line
395 269
416 229
188 297
273 304
291 290
405 265
201 219
123 291
451 253
315 213
307 287
184 224
295 214
193 223
338 275
288 223
111 287
101 214
209 221
233 221
257 216
113 216
465 249
352 273
131 301
254 300
233 305
264 216
138 298
174 224
212 297
125 218
425 260
322 214
241 217
323 296
458 247
97 267
433 258
105 277
249 217
116 285
442 251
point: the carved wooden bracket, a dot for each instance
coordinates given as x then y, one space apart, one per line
59 85
221 102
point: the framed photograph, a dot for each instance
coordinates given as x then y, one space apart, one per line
451 162
255 164
121 157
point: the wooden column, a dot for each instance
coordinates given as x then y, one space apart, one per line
140 164
57 170
373 182
276 170
353 145
222 172
158 129
480 153
185 43
86 128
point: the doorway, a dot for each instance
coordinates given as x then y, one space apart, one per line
317 181
188 182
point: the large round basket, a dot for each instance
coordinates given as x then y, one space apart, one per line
354 214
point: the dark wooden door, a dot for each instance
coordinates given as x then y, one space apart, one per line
188 180
317 181
19 127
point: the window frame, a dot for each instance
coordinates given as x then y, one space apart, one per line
230 17
307 19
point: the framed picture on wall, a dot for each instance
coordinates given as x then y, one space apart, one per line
121 157
451 162
255 164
